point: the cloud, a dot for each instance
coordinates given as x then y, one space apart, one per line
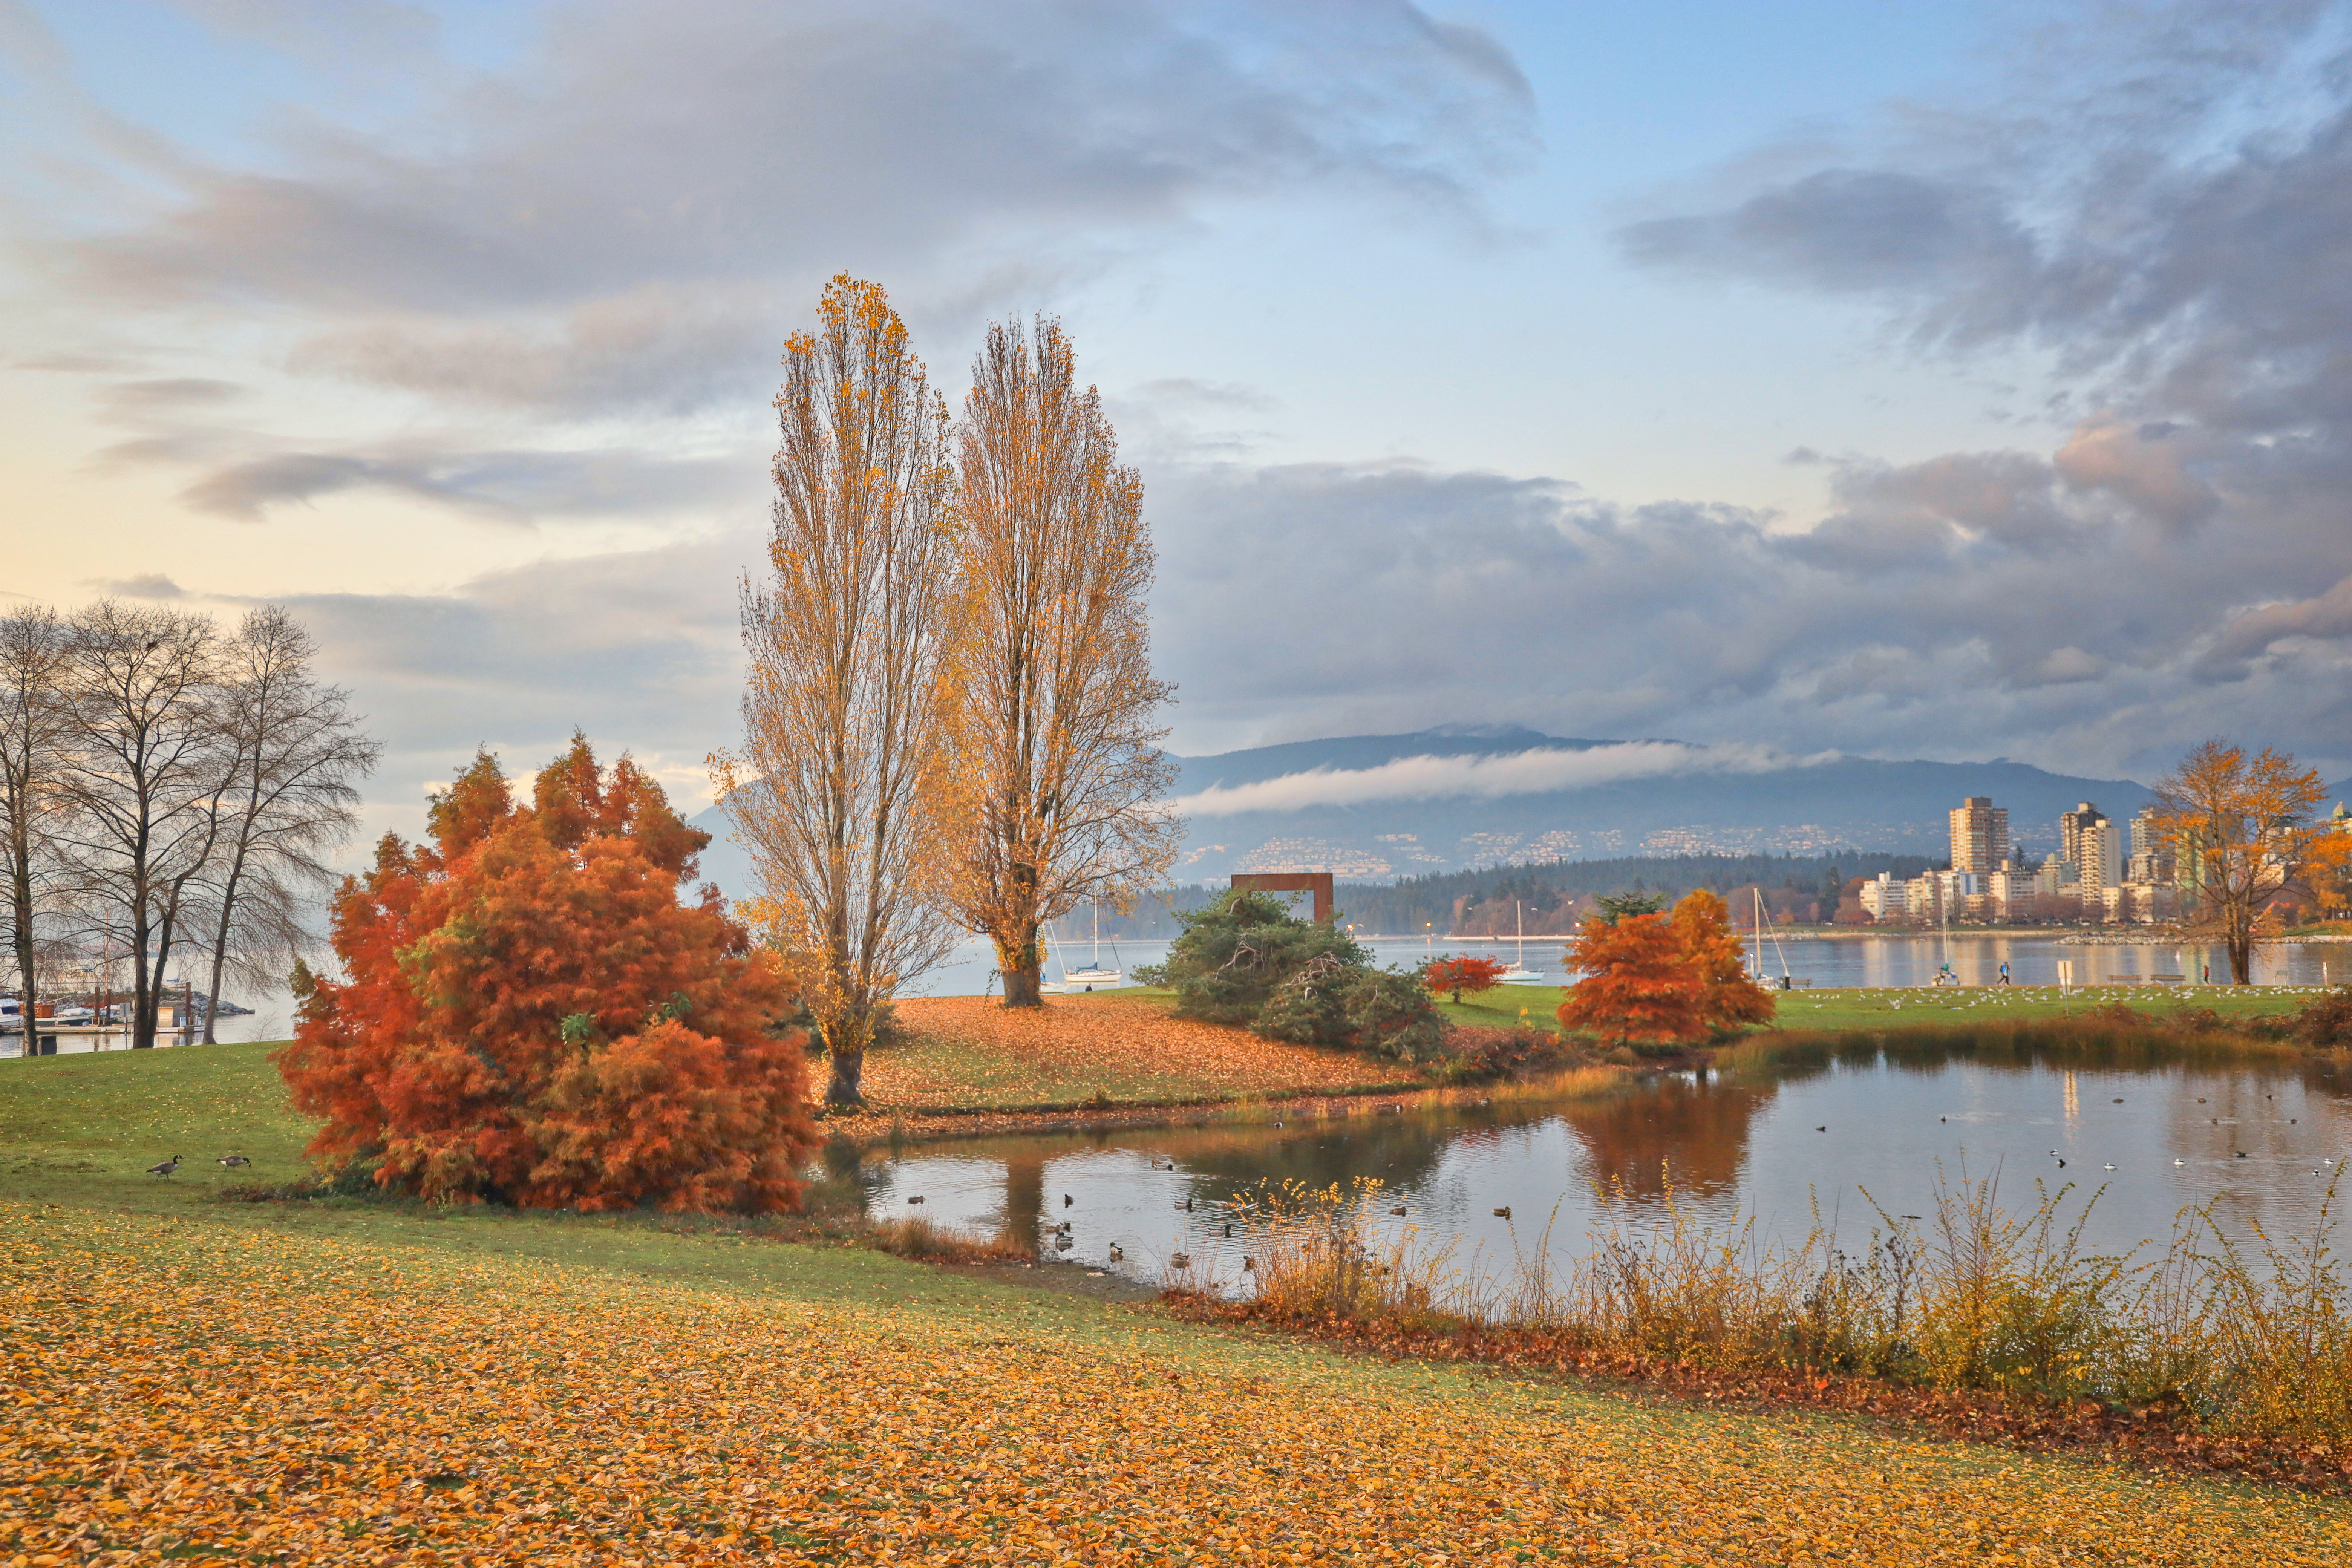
562 238
146 585
1974 604
514 488
2258 631
1537 772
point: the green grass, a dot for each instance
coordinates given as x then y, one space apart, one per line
1881 1006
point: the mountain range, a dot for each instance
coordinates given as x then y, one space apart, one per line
1376 808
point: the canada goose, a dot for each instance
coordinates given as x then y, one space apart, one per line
1180 1261
1067 1200
1503 1213
166 1168
916 1199
235 1160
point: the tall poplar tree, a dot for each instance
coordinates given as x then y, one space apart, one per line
1057 761
836 794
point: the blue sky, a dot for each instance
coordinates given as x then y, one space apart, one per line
1950 381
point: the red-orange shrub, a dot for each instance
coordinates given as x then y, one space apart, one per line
1729 996
1636 986
1459 975
530 1015
1660 980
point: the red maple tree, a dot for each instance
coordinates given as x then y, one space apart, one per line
1459 975
531 1016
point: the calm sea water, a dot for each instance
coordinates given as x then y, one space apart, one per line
1824 961
1833 1135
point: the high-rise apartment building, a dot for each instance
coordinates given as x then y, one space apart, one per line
2151 855
1980 834
2089 838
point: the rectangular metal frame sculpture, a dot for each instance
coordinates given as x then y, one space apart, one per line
1315 882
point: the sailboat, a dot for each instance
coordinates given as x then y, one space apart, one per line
1094 976
1519 974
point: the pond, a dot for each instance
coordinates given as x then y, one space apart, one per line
2258 1139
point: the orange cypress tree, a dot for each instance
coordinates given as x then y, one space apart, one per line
1638 985
531 1016
1728 995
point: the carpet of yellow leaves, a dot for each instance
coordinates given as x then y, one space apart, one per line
971 1051
202 1394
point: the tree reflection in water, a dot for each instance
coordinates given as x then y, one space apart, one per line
1692 1134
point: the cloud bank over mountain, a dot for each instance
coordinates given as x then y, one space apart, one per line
1535 772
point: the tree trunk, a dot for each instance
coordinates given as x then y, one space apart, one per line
220 945
2241 960
1023 968
848 1067
29 988
1024 1202
142 1004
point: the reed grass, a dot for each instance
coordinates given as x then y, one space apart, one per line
2252 1339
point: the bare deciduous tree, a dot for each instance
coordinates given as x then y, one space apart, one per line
1057 749
2242 831
833 793
144 778
295 750
32 741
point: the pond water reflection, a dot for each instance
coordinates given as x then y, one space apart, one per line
2256 1138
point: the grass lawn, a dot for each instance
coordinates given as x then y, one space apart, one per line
1119 1045
1877 1007
206 1382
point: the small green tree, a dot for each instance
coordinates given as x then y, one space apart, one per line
1247 960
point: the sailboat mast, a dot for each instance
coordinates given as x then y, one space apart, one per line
1756 927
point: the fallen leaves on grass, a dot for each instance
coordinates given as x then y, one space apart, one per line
2160 1434
972 1052
207 1395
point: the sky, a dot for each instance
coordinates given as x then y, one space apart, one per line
1947 381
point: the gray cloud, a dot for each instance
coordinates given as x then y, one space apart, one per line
145 585
565 239
517 487
2162 205
1961 607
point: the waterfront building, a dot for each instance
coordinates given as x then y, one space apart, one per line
1882 893
2151 860
2087 836
1980 834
